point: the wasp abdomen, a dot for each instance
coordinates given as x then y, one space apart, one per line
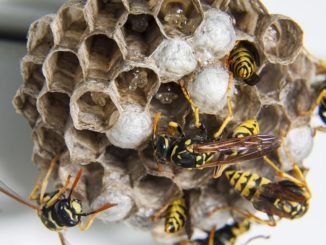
245 183
176 216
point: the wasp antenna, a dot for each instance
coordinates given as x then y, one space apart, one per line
79 174
104 207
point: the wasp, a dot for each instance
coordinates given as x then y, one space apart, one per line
285 198
57 210
243 61
198 152
226 235
176 215
320 102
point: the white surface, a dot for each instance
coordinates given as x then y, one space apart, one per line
19 225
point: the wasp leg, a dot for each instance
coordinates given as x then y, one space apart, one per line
299 179
256 237
59 193
155 122
211 236
218 170
320 128
62 238
47 176
174 125
193 106
37 187
271 221
230 113
317 102
160 213
92 215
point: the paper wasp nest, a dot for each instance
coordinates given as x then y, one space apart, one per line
97 71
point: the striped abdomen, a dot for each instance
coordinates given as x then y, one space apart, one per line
176 216
246 128
242 62
322 106
245 183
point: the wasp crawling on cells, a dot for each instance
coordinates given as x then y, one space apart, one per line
199 152
320 102
243 61
56 210
285 198
176 215
226 235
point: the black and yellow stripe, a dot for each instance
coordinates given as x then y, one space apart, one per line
243 61
176 216
245 183
246 128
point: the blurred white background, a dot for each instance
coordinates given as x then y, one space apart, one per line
20 225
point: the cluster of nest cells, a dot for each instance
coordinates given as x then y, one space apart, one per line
96 73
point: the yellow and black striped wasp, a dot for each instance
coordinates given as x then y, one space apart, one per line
177 215
199 152
320 102
243 61
286 198
226 235
56 210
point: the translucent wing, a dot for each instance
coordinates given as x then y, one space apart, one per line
246 148
9 192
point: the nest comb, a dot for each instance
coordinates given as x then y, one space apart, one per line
96 72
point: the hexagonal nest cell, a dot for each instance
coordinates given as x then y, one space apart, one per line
99 56
179 17
142 36
134 85
98 71
72 24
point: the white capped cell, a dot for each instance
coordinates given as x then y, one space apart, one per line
209 89
215 37
132 127
175 57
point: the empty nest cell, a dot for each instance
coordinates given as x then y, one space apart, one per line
142 6
47 142
54 109
62 71
246 14
25 104
272 119
91 107
281 38
134 85
70 25
40 37
104 14
271 79
142 35
170 101
32 75
247 103
180 17
296 97
100 54
84 145
155 192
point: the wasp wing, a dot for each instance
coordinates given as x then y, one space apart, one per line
285 189
238 144
246 148
9 192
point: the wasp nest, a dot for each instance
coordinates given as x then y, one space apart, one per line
97 72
